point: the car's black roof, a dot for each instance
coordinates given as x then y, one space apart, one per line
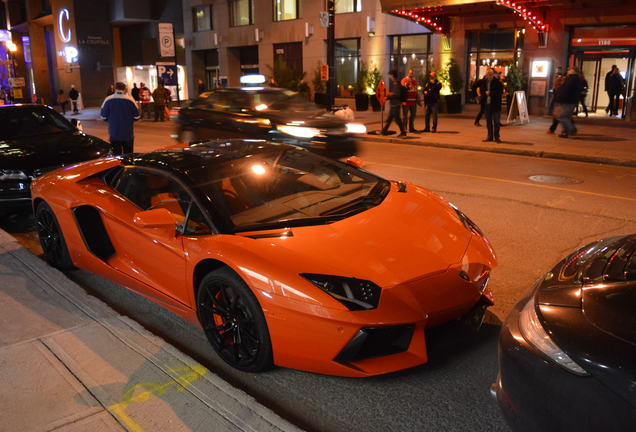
183 161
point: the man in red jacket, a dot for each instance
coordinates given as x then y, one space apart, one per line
409 106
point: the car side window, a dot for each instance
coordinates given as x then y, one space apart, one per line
149 190
218 101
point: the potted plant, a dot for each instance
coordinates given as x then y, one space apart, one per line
451 78
373 79
320 90
360 90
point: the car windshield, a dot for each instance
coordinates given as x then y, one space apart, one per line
20 122
287 187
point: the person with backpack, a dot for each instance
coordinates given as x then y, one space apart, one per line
397 94
431 100
160 98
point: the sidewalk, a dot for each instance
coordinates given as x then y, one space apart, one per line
603 141
70 363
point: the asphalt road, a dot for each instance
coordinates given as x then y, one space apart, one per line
531 225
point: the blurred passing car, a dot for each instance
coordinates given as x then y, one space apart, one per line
272 114
567 351
35 139
283 256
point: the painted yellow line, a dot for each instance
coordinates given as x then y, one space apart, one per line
515 182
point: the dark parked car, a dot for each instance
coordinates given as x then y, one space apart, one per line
567 351
35 139
272 114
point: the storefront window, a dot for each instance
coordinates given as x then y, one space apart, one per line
202 18
241 12
285 10
497 49
347 57
411 52
346 6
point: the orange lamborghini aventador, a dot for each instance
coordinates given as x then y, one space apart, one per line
282 256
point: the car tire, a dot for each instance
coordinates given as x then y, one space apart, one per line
233 321
51 238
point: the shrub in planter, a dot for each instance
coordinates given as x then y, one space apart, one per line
451 78
373 80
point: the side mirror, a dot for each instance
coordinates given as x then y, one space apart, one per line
77 124
355 161
159 218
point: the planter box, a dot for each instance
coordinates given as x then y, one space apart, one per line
453 103
362 102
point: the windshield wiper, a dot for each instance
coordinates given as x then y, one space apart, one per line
372 199
288 223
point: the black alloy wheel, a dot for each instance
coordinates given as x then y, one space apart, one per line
52 239
233 321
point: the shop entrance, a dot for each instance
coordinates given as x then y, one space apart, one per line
595 67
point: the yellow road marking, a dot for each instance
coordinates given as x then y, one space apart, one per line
186 376
515 182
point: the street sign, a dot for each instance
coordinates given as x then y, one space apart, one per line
17 82
166 40
381 93
324 19
324 72
167 74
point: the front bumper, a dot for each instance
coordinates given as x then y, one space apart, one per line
15 195
535 394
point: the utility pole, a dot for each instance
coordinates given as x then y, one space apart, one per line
331 55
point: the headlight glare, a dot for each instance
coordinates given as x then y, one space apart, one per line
533 331
299 131
355 294
356 128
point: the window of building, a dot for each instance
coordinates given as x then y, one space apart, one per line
411 52
347 58
346 6
202 18
285 10
493 48
241 12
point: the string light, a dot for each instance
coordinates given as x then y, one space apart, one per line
524 13
430 17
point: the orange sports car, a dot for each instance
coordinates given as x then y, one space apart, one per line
283 257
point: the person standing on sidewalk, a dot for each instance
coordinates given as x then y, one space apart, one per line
160 97
144 96
614 86
61 101
409 106
120 111
480 100
431 100
395 98
135 93
566 99
492 90
73 95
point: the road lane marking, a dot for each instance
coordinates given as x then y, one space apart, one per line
515 182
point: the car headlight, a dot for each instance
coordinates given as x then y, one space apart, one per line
533 331
13 175
299 131
355 294
356 128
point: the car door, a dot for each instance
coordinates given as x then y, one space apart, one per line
149 255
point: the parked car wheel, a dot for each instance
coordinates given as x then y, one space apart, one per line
52 239
234 322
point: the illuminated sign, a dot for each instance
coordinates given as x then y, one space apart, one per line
5 35
71 54
63 24
540 68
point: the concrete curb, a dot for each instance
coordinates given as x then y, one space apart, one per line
239 411
510 151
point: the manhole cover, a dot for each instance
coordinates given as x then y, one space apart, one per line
554 179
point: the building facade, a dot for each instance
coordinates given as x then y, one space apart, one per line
227 39
89 45
539 36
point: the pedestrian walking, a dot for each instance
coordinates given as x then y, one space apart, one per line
120 111
431 101
145 98
396 93
409 107
61 101
566 99
492 89
134 92
559 78
614 86
479 99
73 95
160 98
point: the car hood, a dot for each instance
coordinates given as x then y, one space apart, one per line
51 150
409 235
